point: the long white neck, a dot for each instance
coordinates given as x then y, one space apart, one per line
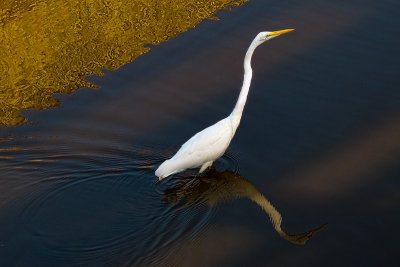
236 114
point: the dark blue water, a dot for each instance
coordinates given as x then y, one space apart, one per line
320 138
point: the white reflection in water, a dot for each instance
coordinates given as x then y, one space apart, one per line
217 187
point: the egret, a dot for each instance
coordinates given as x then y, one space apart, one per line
211 143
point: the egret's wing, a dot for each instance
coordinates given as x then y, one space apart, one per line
206 140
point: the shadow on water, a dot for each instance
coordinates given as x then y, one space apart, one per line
217 187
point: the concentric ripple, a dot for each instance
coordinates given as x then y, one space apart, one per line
94 205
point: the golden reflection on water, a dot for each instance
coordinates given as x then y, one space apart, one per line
49 46
217 187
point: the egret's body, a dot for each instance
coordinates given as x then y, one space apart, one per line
211 143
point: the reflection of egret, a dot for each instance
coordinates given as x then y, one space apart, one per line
208 145
223 186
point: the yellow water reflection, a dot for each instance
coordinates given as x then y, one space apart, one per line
218 187
49 46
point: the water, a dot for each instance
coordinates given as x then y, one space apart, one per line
320 138
48 47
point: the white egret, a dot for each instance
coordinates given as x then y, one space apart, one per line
211 143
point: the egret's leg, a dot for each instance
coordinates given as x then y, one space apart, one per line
212 169
205 166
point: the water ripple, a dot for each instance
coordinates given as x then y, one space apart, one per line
85 206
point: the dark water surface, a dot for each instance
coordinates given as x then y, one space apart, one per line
320 138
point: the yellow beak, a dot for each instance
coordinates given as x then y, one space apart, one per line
275 33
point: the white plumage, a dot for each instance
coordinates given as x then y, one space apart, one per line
196 151
211 143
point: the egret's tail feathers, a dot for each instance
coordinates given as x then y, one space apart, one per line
160 170
165 170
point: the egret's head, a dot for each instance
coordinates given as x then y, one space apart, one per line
264 36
